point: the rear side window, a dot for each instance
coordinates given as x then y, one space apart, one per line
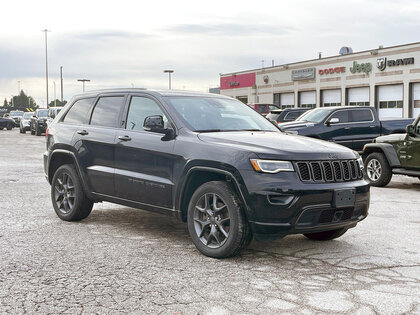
107 111
358 115
79 112
342 115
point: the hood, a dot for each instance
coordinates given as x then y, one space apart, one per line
276 145
396 137
295 125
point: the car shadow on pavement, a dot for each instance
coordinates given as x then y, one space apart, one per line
130 223
406 185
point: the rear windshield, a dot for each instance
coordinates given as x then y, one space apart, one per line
43 113
28 115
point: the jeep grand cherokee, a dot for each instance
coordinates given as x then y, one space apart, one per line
209 160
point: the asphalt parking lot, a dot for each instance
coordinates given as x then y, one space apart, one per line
123 260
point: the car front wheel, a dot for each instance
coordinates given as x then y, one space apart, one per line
69 200
216 222
378 170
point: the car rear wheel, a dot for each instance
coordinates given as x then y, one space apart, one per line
9 127
68 198
216 222
378 170
326 235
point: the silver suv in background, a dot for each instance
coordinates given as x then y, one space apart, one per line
25 122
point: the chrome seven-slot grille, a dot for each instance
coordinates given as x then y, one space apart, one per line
329 171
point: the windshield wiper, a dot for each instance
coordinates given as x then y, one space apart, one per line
210 130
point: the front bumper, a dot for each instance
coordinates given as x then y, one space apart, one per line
280 204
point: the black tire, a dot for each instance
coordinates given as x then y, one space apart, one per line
78 205
238 231
23 130
37 131
9 127
32 129
383 175
326 235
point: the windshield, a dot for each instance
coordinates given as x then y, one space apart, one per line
209 114
28 115
43 113
315 115
16 113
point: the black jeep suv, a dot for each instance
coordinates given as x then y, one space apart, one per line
207 159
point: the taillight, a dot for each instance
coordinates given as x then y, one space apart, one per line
47 132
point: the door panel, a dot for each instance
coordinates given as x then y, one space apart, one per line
144 171
339 133
95 148
364 127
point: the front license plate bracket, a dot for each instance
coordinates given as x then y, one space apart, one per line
344 198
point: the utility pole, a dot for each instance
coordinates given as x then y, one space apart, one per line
169 72
83 81
46 60
55 97
61 79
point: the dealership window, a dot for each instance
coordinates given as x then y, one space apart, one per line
331 97
358 96
307 99
390 100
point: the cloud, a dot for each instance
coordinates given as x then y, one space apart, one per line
228 29
109 35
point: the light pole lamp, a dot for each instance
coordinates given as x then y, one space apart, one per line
169 72
83 81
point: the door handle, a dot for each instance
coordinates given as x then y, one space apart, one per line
82 132
124 138
372 126
346 128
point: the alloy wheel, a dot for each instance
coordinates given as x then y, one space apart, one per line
374 170
212 220
64 193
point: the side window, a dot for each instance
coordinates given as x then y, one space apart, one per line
107 111
263 109
292 115
342 115
359 115
78 113
140 108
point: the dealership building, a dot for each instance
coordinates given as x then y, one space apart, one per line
385 77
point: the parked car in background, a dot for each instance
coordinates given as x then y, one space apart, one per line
351 126
6 122
38 123
16 115
264 109
207 159
52 113
393 154
25 122
285 115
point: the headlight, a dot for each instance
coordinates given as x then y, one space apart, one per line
271 166
360 161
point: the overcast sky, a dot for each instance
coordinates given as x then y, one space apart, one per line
130 43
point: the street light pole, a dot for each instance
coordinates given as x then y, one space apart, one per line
83 81
169 72
46 60
61 79
55 97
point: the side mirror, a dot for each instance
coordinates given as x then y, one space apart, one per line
333 121
410 130
155 124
